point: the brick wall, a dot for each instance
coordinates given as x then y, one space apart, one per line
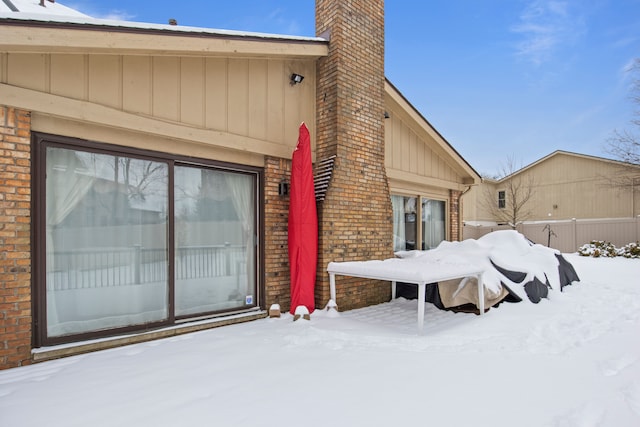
355 219
15 240
276 212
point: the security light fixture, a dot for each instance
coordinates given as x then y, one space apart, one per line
296 78
283 188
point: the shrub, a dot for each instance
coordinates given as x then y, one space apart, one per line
597 249
631 250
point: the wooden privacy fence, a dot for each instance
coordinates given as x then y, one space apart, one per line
567 236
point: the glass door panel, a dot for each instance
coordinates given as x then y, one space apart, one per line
106 241
404 223
214 240
433 223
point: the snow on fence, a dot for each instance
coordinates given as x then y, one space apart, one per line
567 236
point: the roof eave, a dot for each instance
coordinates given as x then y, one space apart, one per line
21 35
568 153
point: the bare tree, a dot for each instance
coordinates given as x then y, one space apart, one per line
625 145
508 198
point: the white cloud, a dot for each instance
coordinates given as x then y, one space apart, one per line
546 26
629 73
88 9
276 21
282 23
630 65
118 15
625 41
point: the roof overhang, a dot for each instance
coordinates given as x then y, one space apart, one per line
619 163
19 34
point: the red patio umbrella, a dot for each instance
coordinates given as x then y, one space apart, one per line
303 225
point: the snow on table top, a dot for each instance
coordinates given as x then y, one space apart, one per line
412 270
450 260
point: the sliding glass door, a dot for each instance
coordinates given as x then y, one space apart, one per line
408 233
128 239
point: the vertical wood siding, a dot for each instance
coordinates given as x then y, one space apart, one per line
248 97
408 151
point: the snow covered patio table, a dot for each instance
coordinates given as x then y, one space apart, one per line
407 270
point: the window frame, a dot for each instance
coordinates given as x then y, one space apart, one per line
418 220
502 199
40 142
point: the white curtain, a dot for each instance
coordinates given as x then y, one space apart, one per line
433 224
399 243
84 185
242 194
68 181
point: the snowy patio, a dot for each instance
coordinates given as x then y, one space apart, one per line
571 360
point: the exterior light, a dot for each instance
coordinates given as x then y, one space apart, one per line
296 78
283 188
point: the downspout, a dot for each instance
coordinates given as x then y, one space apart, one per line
461 212
467 190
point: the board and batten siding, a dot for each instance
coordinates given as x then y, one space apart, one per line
243 97
408 152
413 163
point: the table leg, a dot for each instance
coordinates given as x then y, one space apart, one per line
332 286
393 290
480 294
421 294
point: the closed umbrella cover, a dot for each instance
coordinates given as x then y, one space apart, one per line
303 225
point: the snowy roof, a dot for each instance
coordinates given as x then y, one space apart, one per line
33 7
56 13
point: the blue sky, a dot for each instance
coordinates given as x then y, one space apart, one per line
498 79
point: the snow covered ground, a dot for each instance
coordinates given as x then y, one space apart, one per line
571 360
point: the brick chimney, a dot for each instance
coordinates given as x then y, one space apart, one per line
356 218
